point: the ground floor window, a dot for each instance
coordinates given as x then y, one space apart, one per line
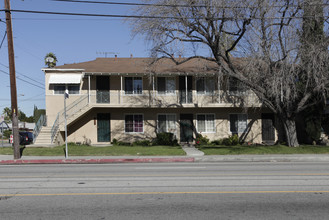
166 123
206 123
134 123
238 123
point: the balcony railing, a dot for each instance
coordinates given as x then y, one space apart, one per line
150 98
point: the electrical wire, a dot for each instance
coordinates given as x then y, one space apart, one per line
23 80
153 17
23 75
27 99
171 5
4 37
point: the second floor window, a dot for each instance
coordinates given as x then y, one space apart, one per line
73 89
205 85
166 85
133 85
236 87
60 89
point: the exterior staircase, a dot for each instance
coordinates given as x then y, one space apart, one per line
44 138
73 112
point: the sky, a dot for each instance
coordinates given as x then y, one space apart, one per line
72 39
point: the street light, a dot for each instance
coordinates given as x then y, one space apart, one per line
66 96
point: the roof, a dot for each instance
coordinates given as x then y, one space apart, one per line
141 65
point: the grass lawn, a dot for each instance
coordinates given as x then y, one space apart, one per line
84 150
276 149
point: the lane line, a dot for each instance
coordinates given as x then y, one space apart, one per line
158 193
160 168
169 175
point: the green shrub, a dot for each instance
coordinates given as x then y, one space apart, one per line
6 133
231 140
165 138
201 140
120 143
142 143
217 142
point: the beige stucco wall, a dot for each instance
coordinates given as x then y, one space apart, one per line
85 128
55 102
150 104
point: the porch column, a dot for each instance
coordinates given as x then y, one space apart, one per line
218 85
121 83
186 96
153 95
88 89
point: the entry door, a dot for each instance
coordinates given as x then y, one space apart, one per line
103 127
186 127
103 89
185 85
268 130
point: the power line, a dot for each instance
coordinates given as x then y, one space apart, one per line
67 19
151 17
23 80
88 15
177 5
23 75
27 99
4 37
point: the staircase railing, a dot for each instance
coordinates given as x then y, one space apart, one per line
71 109
41 122
54 128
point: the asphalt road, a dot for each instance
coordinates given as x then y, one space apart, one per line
165 191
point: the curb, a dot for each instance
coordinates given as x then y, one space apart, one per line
98 161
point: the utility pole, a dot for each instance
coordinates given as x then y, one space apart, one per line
12 72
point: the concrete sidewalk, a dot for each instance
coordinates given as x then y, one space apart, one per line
192 155
4 159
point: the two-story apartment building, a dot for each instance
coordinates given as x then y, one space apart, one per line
129 99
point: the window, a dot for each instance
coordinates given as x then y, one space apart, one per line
235 87
60 89
166 85
134 123
166 123
206 123
74 89
205 85
238 123
133 85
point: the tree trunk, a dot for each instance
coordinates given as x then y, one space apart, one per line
291 133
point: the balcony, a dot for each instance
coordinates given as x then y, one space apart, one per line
151 98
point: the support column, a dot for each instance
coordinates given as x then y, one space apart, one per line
186 95
121 85
88 89
153 95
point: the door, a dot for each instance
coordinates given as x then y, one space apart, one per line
268 130
185 89
103 127
103 89
186 127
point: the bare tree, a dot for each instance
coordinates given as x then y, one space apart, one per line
255 42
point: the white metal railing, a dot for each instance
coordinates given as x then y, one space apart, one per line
71 109
54 128
38 125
